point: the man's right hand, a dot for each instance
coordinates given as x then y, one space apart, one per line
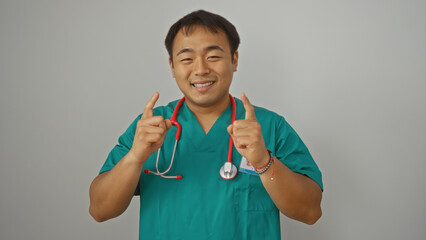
150 132
112 191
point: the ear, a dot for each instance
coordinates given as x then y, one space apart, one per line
172 68
235 60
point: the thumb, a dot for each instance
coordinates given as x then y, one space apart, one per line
168 124
230 129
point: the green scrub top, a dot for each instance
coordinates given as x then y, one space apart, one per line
202 205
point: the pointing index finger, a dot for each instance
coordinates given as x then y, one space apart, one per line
148 110
248 107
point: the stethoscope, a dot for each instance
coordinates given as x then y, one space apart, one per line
228 171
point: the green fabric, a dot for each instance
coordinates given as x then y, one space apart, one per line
202 205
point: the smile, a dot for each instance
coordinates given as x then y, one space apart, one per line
200 85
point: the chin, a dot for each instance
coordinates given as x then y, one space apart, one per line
207 100
202 102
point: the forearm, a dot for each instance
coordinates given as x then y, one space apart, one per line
112 191
296 196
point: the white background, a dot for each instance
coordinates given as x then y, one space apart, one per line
349 76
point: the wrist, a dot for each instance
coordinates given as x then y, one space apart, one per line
134 158
265 168
264 162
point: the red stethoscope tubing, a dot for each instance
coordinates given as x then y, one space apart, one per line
174 121
231 143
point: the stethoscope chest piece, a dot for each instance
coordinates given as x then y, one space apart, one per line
228 171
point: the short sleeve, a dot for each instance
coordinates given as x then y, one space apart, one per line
291 150
125 142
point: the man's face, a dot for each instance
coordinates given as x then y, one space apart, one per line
203 66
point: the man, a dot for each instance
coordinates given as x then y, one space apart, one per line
203 205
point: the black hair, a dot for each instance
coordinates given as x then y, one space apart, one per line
211 21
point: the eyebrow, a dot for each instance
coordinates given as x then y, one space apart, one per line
208 48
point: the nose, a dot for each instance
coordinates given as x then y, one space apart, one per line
201 67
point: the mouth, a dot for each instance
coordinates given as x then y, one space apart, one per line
202 84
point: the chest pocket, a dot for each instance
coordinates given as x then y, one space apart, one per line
250 194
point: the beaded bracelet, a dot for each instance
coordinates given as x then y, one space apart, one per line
262 170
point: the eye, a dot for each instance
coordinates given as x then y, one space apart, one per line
186 60
213 58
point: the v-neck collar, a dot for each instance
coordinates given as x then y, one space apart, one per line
201 141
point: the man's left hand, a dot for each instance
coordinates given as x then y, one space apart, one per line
248 138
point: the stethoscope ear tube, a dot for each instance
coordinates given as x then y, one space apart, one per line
162 174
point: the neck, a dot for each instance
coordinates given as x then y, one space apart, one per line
207 115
